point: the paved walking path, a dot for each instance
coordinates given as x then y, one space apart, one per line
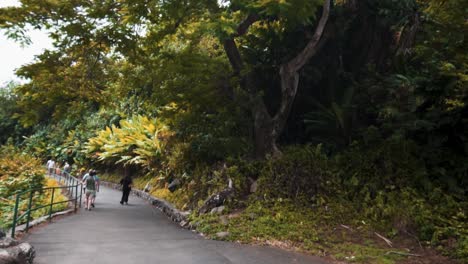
139 233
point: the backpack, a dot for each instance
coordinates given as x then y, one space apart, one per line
91 183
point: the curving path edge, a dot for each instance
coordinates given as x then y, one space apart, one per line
140 233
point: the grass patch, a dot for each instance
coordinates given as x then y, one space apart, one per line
317 230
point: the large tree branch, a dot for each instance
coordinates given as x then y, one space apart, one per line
311 48
230 46
289 71
244 25
233 55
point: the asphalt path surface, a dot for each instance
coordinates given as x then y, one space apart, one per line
140 233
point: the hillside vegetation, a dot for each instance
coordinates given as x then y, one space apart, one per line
342 125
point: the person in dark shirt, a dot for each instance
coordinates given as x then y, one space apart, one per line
126 188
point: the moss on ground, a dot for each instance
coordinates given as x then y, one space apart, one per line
322 231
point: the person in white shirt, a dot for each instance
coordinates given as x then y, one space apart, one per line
50 166
66 168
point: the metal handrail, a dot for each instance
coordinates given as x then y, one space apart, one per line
71 187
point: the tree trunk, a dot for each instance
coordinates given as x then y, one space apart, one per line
264 132
289 74
268 129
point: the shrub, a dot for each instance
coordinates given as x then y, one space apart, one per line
301 172
18 172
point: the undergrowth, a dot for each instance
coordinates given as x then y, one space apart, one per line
340 206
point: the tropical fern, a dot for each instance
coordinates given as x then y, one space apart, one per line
140 141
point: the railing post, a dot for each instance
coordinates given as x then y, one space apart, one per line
81 193
76 195
15 214
28 217
51 204
70 186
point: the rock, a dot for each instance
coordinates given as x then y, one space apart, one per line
224 220
185 214
2 234
173 185
8 242
20 253
254 187
222 234
194 225
147 187
6 259
252 216
183 223
216 200
234 215
217 210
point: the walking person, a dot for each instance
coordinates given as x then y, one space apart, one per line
126 188
66 168
98 184
92 174
50 166
91 186
86 175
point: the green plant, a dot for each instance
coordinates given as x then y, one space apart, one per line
140 141
302 172
18 172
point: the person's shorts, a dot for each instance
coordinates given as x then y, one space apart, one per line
90 193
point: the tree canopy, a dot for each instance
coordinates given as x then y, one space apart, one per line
365 100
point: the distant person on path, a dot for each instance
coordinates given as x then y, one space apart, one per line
92 174
98 181
67 168
83 180
126 188
81 175
91 185
50 166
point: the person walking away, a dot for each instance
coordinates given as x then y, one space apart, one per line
126 188
84 179
67 168
92 174
98 183
90 184
57 170
50 166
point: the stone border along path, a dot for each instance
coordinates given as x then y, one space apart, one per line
139 233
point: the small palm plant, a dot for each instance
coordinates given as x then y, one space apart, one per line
333 123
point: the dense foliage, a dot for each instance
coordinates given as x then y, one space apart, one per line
20 172
356 106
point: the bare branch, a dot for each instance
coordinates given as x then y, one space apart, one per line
289 71
244 25
311 48
230 45
233 54
389 243
402 253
